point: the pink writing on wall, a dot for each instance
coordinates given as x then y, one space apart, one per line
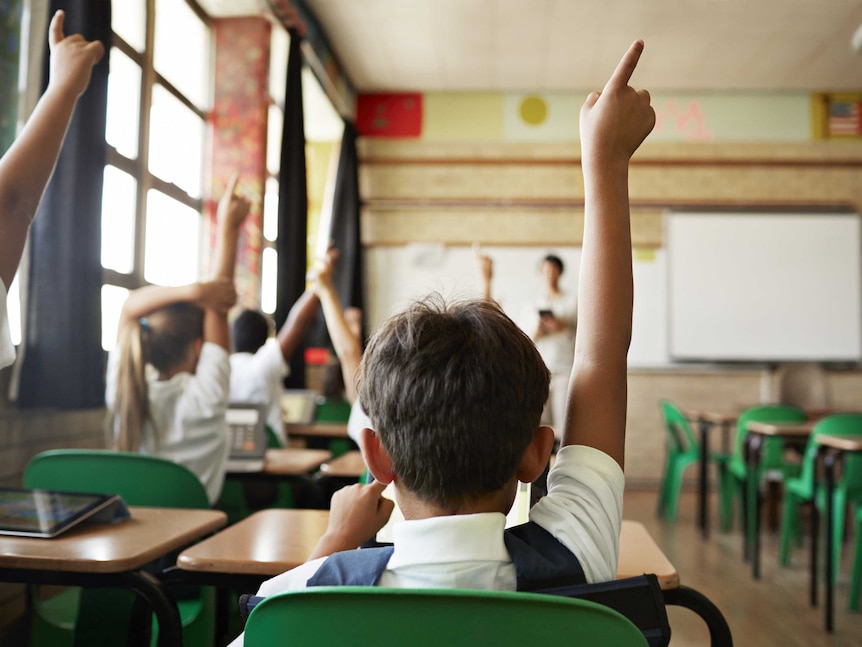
689 124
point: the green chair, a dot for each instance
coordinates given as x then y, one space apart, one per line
856 575
141 481
772 459
334 410
801 489
427 618
683 449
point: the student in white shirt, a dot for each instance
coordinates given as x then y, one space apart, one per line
259 362
28 164
168 376
456 394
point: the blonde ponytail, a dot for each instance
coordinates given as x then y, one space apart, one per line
132 404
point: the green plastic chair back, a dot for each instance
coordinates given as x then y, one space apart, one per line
851 477
139 479
101 616
346 615
332 410
772 451
680 437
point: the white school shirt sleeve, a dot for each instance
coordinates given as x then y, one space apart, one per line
584 508
7 350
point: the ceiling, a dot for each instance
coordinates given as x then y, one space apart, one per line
547 45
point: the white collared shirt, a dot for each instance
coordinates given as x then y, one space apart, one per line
583 510
258 378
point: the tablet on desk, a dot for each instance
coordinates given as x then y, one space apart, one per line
48 513
298 406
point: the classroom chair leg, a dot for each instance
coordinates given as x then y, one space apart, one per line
856 575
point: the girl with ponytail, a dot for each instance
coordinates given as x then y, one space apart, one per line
168 377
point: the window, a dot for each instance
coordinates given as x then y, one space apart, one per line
159 90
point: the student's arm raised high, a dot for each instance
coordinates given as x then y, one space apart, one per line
613 125
231 212
27 166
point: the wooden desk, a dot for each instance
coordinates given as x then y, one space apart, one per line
756 432
112 555
349 465
832 448
281 463
706 420
271 542
321 430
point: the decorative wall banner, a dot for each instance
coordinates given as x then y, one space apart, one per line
389 115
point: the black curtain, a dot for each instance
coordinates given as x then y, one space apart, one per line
345 234
63 358
292 207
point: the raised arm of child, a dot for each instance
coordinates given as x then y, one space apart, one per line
218 295
485 268
345 340
613 124
27 166
230 214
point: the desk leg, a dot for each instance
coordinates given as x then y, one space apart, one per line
754 503
150 589
815 533
829 461
703 509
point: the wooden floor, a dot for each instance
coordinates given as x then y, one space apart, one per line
771 611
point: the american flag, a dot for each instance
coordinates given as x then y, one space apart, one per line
845 118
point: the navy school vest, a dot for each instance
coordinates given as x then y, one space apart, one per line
540 560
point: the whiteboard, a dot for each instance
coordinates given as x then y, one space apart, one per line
397 275
764 287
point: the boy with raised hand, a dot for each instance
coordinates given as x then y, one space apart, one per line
27 166
456 393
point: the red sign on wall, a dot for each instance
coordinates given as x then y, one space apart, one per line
389 115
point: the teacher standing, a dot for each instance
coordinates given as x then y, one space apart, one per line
551 321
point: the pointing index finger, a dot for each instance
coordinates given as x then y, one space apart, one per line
626 67
230 189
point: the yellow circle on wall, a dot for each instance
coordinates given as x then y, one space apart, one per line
533 110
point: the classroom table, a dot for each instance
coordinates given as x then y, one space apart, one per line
831 450
112 555
706 420
349 465
317 430
756 433
280 463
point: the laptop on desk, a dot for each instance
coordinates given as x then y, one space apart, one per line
247 424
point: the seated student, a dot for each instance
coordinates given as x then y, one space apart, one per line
28 164
259 362
456 394
168 376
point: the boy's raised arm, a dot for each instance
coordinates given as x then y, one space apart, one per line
613 124
27 166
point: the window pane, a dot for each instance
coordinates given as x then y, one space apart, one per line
118 220
270 209
268 280
124 96
176 142
273 139
181 51
279 48
321 119
13 310
113 298
130 23
173 241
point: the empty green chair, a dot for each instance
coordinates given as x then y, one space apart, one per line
346 615
772 458
801 489
683 449
856 575
141 481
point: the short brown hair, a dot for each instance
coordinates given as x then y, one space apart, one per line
455 392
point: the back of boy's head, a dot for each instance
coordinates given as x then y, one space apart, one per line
555 260
455 392
250 331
